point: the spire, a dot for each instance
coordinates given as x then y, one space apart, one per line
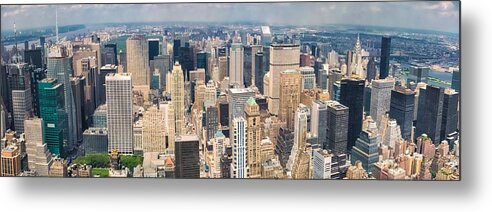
56 24
358 47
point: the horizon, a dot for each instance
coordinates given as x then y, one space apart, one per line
438 16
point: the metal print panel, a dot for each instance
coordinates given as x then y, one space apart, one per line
272 90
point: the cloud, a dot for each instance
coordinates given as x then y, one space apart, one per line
442 16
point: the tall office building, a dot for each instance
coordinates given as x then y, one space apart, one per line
402 109
259 71
53 113
249 69
109 54
366 147
319 122
38 156
450 113
237 101
290 97
34 137
239 167
429 117
59 67
178 99
186 151
381 98
456 80
236 74
253 138
154 130
153 48
282 57
77 84
371 70
119 100
137 60
352 96
385 57
266 36
34 57
337 127
36 75
308 78
202 62
211 121
3 118
322 164
19 94
300 136
163 64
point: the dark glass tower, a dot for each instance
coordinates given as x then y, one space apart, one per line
202 62
429 116
247 65
109 54
36 76
176 46
385 57
449 113
352 96
402 109
52 110
154 48
337 127
371 70
259 70
455 83
186 151
34 58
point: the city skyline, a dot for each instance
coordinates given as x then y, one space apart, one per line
247 100
429 15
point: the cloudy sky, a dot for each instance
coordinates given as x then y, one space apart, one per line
440 16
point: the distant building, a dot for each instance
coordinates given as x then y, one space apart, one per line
236 74
381 97
402 109
385 57
137 59
322 164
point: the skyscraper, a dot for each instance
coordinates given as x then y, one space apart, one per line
249 69
253 138
449 113
19 94
429 117
187 156
239 167
371 70
236 75
177 96
456 80
402 109
381 97
154 48
154 130
319 123
237 101
308 78
385 57
290 97
137 60
259 70
366 147
109 54
282 57
52 111
119 100
202 62
337 127
59 67
352 96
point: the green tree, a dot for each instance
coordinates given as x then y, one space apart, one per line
131 161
